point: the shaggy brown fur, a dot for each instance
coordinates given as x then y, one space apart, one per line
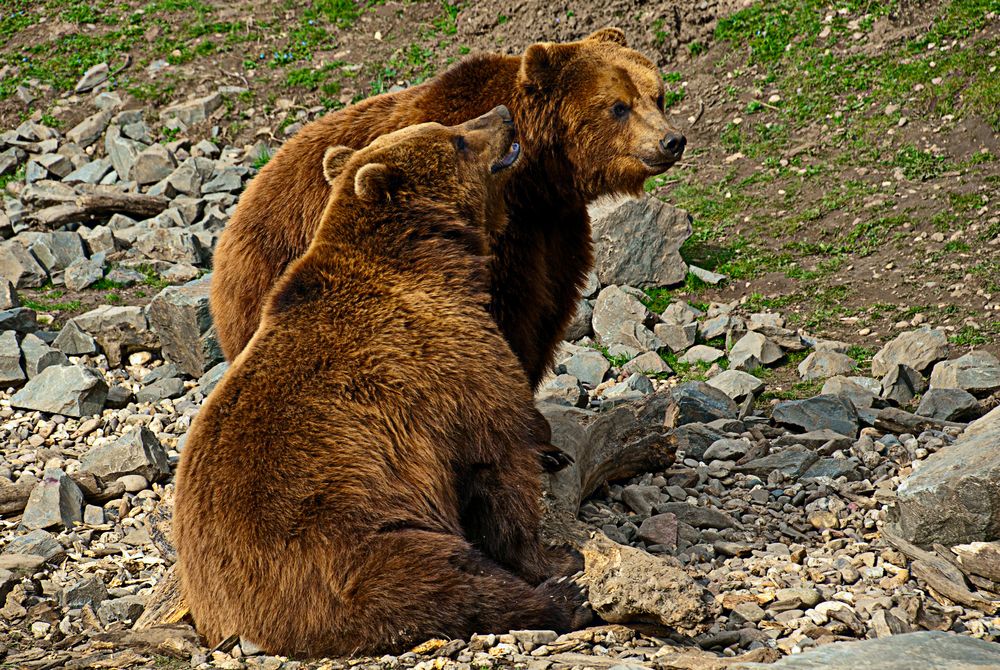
364 476
591 116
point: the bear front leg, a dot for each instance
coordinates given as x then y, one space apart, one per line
501 516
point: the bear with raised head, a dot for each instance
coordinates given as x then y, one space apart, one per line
591 114
364 478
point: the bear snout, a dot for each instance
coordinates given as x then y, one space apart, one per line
672 146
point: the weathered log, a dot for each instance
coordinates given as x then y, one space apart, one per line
939 583
980 558
99 204
165 604
895 420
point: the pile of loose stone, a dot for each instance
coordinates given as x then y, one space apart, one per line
799 518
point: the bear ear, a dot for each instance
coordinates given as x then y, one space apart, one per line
334 161
616 35
376 182
541 64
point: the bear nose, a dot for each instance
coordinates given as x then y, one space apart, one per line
673 145
503 112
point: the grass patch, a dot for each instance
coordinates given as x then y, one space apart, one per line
969 337
49 301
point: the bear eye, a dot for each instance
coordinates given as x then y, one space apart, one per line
619 109
659 102
460 143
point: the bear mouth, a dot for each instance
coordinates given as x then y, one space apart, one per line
508 160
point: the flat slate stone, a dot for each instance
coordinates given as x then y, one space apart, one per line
926 650
70 390
823 411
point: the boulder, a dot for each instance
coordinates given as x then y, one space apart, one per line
55 502
89 130
736 384
11 371
954 496
137 452
589 366
901 384
19 319
695 439
83 272
697 402
36 543
676 337
19 267
614 309
792 461
754 346
701 353
977 372
919 349
38 356
949 404
122 151
192 111
153 164
823 411
171 244
119 331
70 390
579 326
825 364
564 390
845 387
57 251
647 363
181 319
74 342
637 242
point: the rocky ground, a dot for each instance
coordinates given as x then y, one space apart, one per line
836 475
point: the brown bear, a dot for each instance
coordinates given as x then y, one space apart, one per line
592 119
363 478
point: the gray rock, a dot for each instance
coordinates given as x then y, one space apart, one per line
9 160
84 272
977 372
89 173
727 449
122 151
11 371
99 240
699 517
90 591
697 402
736 384
181 319
824 411
833 468
695 439
160 390
70 390
792 461
226 180
754 347
592 287
613 309
57 251
94 76
846 388
636 386
153 164
825 364
637 242
193 111
186 179
701 353
108 101
137 452
706 276
647 363
579 326
56 165
901 384
660 529
588 366
19 267
680 313
19 319
563 389
676 337
126 609
815 439
89 130
954 497
118 397
8 295
208 381
74 342
55 502
119 331
171 244
93 515
36 543
934 649
642 499
38 356
919 349
949 404
715 327
162 372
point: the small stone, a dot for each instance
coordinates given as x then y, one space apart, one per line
90 591
84 272
736 384
792 462
8 295
153 164
977 372
918 349
93 515
697 402
36 543
193 111
74 342
647 363
727 449
949 404
133 483
89 130
859 396
701 353
823 519
563 389
660 529
126 609
641 499
20 267
38 356
749 612
699 517
94 76
635 386
587 366
754 346
676 337
160 390
11 371
822 411
137 452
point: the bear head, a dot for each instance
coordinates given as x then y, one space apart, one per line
609 109
460 170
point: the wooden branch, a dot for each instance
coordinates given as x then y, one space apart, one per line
895 420
980 558
956 592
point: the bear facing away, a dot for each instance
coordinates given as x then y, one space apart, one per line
592 119
359 480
